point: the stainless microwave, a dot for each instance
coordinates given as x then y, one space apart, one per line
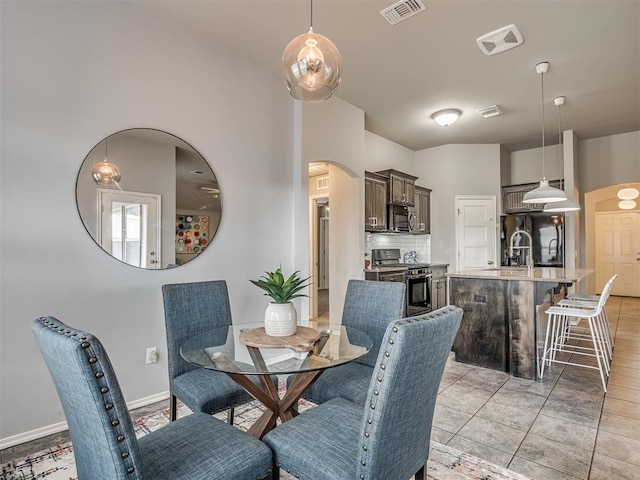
401 218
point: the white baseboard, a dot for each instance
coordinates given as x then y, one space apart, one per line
62 426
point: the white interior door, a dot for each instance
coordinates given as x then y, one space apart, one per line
618 251
476 232
129 227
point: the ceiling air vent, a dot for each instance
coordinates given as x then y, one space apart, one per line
322 183
402 10
488 112
500 40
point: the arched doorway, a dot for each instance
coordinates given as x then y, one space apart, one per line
612 240
335 237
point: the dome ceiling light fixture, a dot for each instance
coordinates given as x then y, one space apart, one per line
105 173
446 117
628 193
567 205
311 65
543 193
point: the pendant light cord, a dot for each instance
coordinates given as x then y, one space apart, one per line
311 19
542 102
560 143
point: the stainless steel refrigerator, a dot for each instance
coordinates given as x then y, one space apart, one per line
547 232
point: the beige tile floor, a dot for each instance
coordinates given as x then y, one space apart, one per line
562 428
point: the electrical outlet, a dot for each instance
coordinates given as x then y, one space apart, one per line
152 355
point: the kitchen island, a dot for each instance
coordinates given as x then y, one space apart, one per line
504 322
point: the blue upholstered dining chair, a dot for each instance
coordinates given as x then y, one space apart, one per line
192 309
388 437
369 307
197 446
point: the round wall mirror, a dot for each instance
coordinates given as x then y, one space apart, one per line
148 198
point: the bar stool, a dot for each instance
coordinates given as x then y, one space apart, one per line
562 319
577 299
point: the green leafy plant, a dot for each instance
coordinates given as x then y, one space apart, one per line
281 290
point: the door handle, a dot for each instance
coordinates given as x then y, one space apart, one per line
490 262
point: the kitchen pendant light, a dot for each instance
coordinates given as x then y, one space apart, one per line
544 193
311 65
105 173
567 205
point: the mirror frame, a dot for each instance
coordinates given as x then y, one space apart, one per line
154 163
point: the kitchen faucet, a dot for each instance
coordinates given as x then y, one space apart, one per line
529 259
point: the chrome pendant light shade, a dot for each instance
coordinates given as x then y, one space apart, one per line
311 66
544 193
105 173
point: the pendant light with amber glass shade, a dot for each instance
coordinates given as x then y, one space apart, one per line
311 65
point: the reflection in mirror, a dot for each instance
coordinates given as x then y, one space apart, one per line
164 209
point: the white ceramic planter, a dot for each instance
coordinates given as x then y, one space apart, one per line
280 319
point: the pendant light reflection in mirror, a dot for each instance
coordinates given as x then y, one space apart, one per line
106 173
543 193
164 209
567 205
311 65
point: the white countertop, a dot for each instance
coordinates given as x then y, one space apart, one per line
538 274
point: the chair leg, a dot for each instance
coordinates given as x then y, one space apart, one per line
420 474
173 407
275 472
230 416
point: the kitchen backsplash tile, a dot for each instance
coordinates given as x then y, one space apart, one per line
406 243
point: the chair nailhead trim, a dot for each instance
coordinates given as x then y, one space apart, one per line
376 392
386 354
369 421
373 406
92 359
364 447
379 378
366 434
364 464
395 329
383 366
391 341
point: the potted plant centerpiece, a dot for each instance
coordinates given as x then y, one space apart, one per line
280 317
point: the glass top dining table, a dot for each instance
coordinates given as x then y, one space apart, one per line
232 351
223 350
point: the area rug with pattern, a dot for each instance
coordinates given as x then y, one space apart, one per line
57 463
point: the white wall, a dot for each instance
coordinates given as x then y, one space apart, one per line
383 154
333 132
73 73
453 170
526 165
609 160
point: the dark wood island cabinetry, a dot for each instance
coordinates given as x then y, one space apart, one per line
504 320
